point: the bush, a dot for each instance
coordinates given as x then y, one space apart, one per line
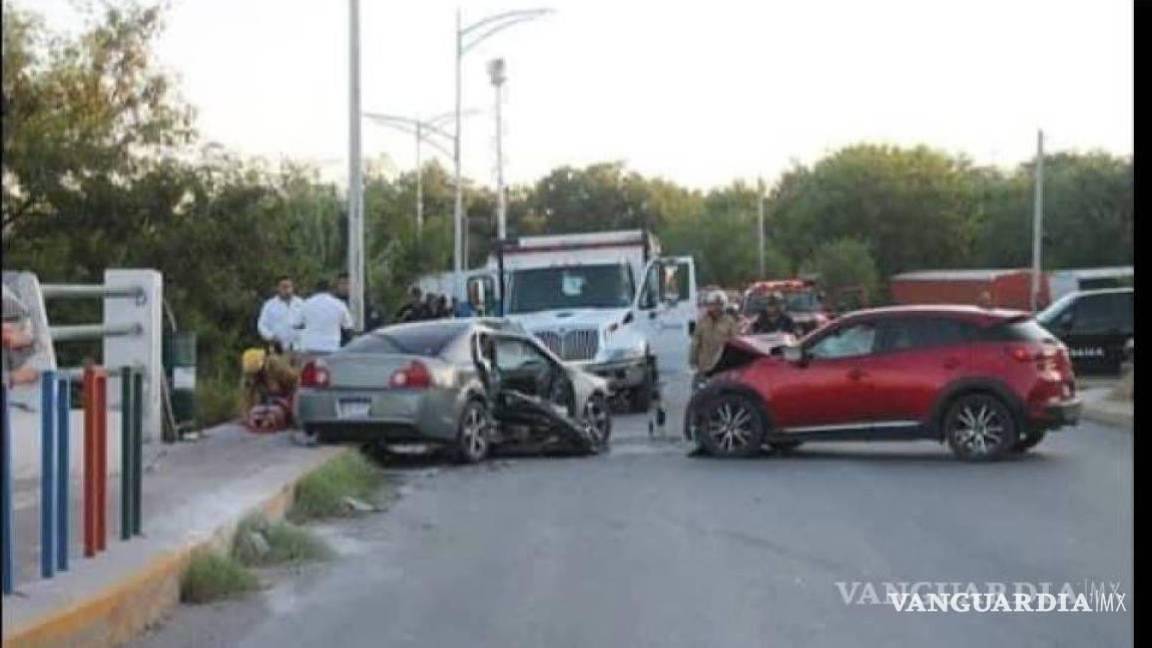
212 576
219 399
286 543
321 494
846 271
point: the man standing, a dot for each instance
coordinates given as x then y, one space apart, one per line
280 320
325 319
712 332
414 309
773 319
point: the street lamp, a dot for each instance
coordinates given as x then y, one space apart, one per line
423 130
498 76
355 174
467 38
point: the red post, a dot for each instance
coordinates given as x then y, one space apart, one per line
89 462
101 416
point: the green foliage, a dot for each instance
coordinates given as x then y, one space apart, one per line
287 544
846 271
212 576
321 494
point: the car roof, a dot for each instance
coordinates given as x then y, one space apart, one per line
976 314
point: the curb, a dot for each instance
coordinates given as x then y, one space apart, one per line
122 610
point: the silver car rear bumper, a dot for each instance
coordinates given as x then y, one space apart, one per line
397 415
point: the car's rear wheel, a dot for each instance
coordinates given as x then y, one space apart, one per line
1027 443
597 422
472 437
980 427
729 425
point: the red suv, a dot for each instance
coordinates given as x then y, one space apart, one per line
988 382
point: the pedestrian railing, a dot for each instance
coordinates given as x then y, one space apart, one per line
56 468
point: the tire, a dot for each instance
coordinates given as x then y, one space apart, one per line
472 442
598 423
640 400
980 427
1027 443
730 426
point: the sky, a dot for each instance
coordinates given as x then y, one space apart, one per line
699 92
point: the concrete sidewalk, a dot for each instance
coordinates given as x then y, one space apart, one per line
1099 406
194 494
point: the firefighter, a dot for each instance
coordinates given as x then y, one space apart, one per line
712 332
772 318
268 390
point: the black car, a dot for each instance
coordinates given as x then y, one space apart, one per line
1095 325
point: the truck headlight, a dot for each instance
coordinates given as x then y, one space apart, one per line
620 355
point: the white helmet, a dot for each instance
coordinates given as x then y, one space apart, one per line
717 297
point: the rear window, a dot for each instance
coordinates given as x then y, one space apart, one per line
420 340
1017 331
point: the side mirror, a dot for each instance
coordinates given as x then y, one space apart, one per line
794 354
479 292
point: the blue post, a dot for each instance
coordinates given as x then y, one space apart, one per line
48 474
9 574
63 411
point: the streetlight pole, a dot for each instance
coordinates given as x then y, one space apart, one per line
1038 220
476 32
760 220
355 171
496 71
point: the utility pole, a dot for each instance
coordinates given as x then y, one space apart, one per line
419 185
1038 221
760 220
496 71
355 171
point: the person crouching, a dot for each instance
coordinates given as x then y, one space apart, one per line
269 389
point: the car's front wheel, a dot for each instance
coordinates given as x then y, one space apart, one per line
729 425
472 436
597 422
980 427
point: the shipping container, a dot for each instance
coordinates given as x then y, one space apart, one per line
1006 288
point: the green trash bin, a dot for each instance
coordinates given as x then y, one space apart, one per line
180 371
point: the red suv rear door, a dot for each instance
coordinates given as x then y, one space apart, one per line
916 358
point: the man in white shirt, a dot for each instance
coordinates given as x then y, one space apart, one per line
325 318
280 318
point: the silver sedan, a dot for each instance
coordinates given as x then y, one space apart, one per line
464 384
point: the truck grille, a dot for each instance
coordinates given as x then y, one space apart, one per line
582 344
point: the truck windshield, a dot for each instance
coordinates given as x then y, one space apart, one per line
795 302
560 287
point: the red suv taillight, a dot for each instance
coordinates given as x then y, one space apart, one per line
314 374
1045 356
414 376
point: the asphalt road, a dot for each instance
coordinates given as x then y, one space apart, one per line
648 547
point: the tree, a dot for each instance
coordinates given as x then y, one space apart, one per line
846 273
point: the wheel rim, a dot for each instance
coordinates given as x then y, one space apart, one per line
730 426
596 419
979 428
473 434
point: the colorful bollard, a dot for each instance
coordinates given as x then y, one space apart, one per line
48 474
63 464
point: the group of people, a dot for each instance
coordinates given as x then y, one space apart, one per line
421 307
719 325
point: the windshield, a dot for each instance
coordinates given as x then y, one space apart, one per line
1049 315
561 287
795 302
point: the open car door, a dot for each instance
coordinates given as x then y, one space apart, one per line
526 386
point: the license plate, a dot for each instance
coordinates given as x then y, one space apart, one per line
351 409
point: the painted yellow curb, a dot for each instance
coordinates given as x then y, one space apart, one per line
120 612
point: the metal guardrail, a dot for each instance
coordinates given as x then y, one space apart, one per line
87 290
92 331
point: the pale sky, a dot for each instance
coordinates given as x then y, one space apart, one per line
698 92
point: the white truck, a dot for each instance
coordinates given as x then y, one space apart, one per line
607 301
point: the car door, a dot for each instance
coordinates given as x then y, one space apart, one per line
830 390
916 357
1095 329
667 311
